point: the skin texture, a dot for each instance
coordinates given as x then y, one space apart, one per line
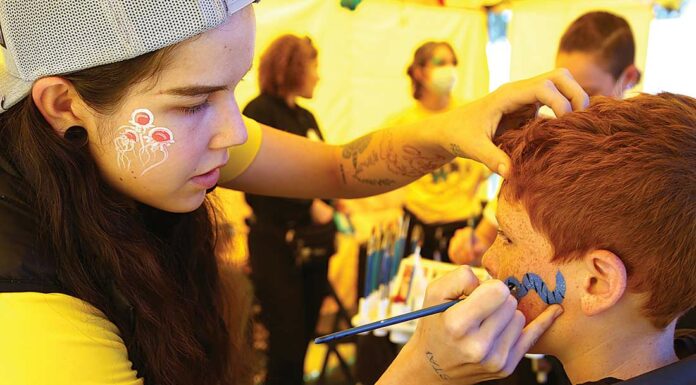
518 250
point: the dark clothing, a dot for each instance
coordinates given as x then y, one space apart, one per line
290 298
688 320
436 237
21 266
290 293
275 112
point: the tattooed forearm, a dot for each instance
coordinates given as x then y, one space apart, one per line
436 367
456 150
365 164
375 182
353 149
343 174
411 162
386 155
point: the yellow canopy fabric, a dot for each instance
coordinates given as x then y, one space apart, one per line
363 55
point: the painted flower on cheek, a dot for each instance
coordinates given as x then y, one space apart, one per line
141 140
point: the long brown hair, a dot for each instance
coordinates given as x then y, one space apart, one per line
154 274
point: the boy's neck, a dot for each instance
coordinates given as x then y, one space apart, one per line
620 353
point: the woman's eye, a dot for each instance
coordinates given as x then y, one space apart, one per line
195 109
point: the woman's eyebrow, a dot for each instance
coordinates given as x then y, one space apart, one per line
195 90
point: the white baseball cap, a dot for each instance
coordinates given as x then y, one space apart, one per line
51 37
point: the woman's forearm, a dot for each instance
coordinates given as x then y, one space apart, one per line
291 166
388 158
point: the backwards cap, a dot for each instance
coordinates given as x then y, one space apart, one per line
51 37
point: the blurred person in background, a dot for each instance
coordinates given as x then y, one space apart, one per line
290 240
447 198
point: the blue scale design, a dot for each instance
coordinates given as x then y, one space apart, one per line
532 281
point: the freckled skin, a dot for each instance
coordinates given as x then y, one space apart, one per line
518 250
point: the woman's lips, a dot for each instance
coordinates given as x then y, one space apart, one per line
207 180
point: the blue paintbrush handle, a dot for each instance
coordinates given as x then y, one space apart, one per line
387 322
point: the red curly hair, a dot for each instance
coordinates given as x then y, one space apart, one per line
619 176
283 66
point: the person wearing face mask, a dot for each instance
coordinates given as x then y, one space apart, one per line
446 199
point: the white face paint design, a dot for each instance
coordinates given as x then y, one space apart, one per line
142 140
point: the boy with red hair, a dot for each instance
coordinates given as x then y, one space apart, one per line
599 215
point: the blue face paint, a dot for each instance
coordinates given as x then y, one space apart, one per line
531 281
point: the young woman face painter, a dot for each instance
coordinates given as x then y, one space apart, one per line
117 118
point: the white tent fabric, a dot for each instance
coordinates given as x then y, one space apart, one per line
363 56
537 26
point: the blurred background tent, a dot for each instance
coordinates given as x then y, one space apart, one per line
363 53
365 46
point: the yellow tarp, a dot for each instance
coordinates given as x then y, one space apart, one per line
363 55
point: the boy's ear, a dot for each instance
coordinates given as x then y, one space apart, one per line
629 78
604 283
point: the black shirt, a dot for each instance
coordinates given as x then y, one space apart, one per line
275 112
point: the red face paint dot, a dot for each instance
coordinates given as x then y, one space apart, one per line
131 136
142 118
161 136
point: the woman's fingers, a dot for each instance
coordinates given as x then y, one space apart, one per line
454 285
556 89
470 313
492 326
499 359
571 90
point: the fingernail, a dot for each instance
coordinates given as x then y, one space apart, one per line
559 311
502 169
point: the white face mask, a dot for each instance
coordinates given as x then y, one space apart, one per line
442 79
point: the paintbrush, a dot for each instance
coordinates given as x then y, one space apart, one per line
394 320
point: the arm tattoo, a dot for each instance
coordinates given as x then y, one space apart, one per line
436 367
411 162
371 160
352 151
456 150
343 174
